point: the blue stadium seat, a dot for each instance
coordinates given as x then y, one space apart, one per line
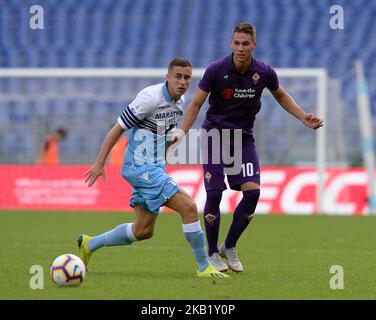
144 33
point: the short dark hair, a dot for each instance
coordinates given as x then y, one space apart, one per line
179 62
247 28
62 132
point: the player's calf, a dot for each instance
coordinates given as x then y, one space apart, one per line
143 227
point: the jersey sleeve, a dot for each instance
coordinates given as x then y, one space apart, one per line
273 82
207 80
137 110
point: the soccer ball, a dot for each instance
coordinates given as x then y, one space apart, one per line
68 270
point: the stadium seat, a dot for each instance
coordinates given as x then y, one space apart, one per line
144 34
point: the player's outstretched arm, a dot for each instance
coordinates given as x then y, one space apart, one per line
97 169
193 109
288 103
189 118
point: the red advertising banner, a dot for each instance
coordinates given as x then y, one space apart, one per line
285 190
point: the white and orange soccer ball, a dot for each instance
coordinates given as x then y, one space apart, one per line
68 270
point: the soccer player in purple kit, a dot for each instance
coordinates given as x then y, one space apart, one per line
235 84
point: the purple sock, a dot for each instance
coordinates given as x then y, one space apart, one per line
212 219
242 216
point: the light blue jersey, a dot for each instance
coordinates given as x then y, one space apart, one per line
151 116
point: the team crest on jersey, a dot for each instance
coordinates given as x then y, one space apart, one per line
227 94
136 108
255 78
208 177
210 218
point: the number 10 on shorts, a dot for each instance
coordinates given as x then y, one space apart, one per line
247 169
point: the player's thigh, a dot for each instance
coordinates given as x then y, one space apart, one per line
247 186
183 203
144 222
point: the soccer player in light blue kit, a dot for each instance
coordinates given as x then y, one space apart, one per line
155 112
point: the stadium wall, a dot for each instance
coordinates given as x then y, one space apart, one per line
285 190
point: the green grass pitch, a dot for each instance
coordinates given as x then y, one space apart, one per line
285 257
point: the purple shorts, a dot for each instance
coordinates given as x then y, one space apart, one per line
214 174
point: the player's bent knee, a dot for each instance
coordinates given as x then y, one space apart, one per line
190 213
143 234
146 236
214 196
192 208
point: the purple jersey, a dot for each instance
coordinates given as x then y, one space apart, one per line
235 98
